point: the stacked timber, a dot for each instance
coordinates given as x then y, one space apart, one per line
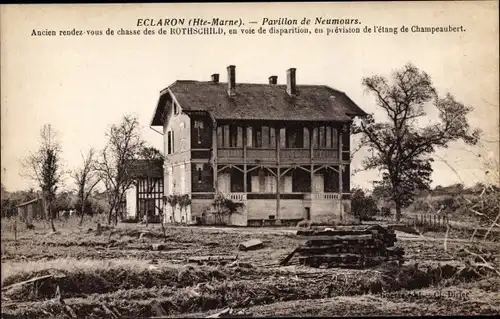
347 246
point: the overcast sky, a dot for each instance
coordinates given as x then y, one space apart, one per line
81 85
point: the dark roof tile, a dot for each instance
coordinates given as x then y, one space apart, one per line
142 168
262 102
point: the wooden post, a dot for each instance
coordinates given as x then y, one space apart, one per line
340 173
245 129
278 170
311 150
214 154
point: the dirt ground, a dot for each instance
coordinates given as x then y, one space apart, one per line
118 273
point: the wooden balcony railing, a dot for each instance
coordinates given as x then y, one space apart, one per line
292 154
270 154
263 154
237 197
230 153
326 154
325 195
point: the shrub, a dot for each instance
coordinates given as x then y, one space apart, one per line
364 207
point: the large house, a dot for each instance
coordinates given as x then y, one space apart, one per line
281 150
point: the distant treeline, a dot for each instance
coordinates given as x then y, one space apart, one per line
65 201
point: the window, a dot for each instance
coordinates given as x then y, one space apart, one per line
182 130
295 137
263 137
325 137
169 142
173 146
198 126
199 172
233 136
176 108
229 136
258 137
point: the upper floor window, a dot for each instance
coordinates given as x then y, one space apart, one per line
263 137
176 108
170 142
295 137
325 137
230 136
182 131
199 172
198 129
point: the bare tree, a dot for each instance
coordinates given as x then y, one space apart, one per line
123 145
44 168
401 146
86 178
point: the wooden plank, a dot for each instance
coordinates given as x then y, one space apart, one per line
287 258
358 248
311 233
22 283
212 258
340 237
278 176
250 244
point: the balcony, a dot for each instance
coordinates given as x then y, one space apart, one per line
237 197
261 154
327 196
293 155
230 154
268 155
325 154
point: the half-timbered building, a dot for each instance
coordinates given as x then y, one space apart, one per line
145 195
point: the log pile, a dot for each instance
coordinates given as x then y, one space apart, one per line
347 246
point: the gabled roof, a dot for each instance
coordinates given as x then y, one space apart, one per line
143 168
29 202
260 102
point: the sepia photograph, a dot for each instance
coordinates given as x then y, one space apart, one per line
226 160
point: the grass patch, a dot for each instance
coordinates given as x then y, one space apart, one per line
131 287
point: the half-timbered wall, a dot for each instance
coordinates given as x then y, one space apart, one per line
149 196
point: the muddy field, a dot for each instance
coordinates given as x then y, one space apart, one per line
134 271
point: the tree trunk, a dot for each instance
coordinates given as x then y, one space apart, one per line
81 218
109 215
51 214
82 203
398 211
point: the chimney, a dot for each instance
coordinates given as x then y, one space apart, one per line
231 79
273 80
215 78
291 88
